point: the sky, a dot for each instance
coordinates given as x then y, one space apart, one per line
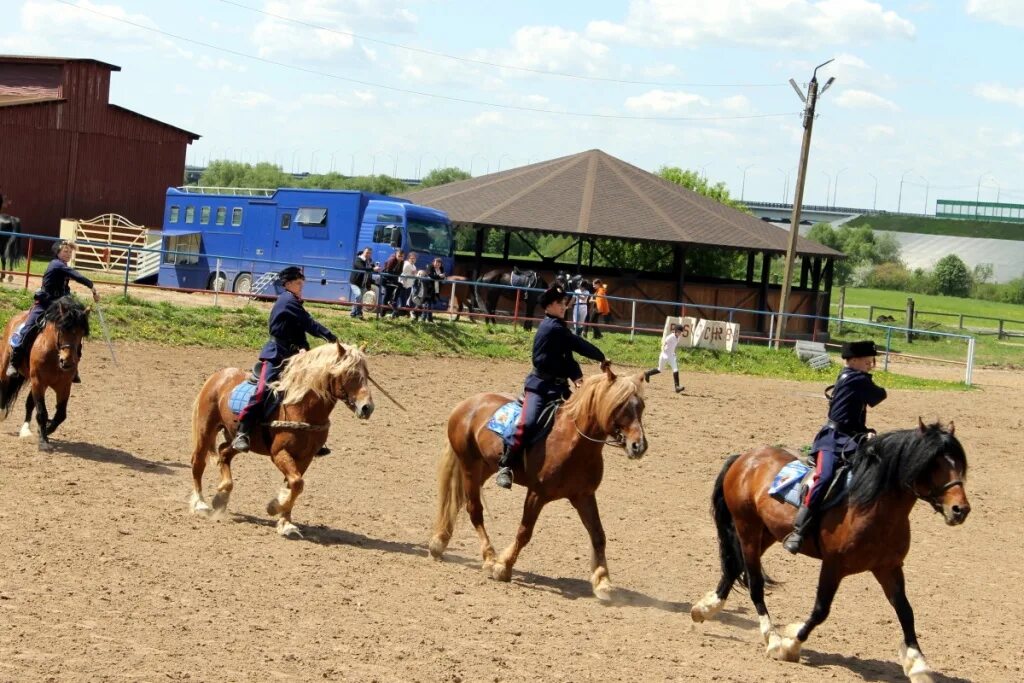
927 101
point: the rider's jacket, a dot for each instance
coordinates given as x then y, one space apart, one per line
853 392
289 323
55 282
553 363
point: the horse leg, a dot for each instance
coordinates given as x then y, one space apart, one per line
26 427
285 501
39 396
502 570
61 413
223 495
787 648
911 658
204 434
475 508
586 506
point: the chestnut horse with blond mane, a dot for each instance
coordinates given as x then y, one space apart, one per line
311 384
568 464
868 531
50 364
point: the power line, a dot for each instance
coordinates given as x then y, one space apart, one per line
496 65
419 93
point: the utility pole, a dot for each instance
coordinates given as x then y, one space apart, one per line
798 198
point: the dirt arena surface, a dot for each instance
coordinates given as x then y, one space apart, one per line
104 574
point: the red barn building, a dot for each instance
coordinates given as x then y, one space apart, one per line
67 152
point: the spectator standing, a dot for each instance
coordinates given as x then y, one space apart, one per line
601 307
432 288
389 283
405 283
361 279
580 306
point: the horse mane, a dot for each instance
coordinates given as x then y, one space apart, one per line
895 460
67 313
313 371
600 399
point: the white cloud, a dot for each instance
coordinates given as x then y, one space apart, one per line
996 92
488 119
665 102
782 24
736 103
551 48
879 132
244 99
862 99
1006 12
52 26
326 26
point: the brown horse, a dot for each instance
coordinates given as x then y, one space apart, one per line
568 464
870 531
51 364
310 386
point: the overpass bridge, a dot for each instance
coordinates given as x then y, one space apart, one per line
779 212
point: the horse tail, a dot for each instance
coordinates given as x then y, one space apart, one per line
451 499
201 443
729 551
10 387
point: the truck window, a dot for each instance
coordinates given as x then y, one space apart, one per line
204 215
386 234
182 250
286 221
173 218
236 216
429 236
222 214
190 214
311 216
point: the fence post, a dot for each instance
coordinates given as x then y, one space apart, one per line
28 260
910 320
1000 337
216 283
515 311
127 263
871 314
842 307
771 328
888 346
632 322
970 361
961 321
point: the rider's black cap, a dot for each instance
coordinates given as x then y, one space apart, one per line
290 273
858 349
551 295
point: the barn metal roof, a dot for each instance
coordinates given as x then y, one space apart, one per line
594 193
38 59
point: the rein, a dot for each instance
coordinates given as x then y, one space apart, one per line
619 439
932 497
298 426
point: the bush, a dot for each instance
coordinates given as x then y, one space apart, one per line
922 282
952 277
888 276
1013 292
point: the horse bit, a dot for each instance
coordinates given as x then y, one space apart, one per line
932 497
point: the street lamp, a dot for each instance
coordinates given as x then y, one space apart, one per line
472 160
743 183
502 157
874 202
785 185
899 200
977 196
927 187
312 161
295 159
828 188
835 186
704 171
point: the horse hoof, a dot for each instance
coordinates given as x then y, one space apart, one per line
437 547
785 648
273 507
26 431
501 572
914 665
604 591
707 608
488 565
46 446
220 502
289 530
202 509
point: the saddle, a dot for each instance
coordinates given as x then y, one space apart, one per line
791 483
506 419
522 278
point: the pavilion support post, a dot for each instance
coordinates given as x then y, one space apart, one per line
762 299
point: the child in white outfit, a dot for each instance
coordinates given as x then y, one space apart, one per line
668 354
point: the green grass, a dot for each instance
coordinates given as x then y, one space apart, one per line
941 314
941 226
131 319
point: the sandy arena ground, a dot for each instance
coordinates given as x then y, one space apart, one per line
104 574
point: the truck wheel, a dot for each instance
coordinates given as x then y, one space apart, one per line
243 283
217 282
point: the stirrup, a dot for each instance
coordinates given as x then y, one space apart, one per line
12 371
504 477
793 542
241 442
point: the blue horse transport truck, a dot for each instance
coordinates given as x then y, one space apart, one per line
235 239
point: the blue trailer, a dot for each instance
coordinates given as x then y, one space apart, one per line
235 240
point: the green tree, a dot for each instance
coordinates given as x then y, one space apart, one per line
222 173
692 180
443 176
860 244
952 277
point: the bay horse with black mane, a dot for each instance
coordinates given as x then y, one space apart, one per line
869 531
567 464
10 230
528 283
311 384
50 364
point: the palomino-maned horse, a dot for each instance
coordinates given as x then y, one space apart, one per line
568 464
310 386
869 531
51 364
487 300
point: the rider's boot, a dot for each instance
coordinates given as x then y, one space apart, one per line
800 523
241 441
648 374
504 476
15 361
675 378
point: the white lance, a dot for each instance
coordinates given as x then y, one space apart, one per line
106 335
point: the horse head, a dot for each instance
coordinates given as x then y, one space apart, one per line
940 481
333 372
610 405
70 322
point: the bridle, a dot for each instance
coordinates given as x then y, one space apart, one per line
618 438
932 497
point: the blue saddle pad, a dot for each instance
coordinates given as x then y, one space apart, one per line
504 421
17 335
785 487
240 396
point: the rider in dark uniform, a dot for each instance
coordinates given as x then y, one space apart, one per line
289 323
55 285
553 367
852 393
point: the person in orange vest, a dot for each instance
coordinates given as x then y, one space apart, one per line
601 307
